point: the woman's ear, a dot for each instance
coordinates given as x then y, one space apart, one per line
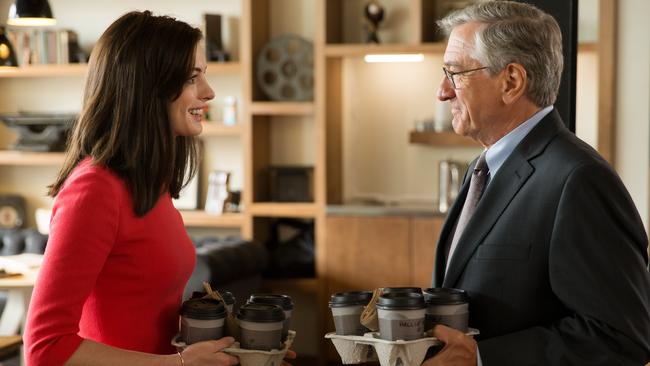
515 82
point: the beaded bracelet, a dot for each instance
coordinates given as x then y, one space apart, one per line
181 357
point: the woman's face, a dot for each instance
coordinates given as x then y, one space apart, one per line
186 112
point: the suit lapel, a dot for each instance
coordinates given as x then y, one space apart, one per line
512 175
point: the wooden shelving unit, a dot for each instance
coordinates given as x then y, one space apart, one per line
326 113
277 209
355 50
28 158
204 219
216 128
224 68
214 68
45 71
282 108
443 139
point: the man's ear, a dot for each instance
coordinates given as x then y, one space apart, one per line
515 82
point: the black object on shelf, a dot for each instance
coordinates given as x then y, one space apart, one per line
7 53
18 241
39 131
213 40
12 211
228 259
291 249
291 183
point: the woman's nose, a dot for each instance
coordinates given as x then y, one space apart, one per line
207 92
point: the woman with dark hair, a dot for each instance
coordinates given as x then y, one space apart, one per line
118 255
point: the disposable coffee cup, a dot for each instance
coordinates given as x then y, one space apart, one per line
202 320
260 326
391 290
447 306
283 301
346 311
401 316
229 300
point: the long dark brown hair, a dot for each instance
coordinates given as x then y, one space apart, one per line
137 68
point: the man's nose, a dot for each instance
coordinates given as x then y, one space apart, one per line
446 90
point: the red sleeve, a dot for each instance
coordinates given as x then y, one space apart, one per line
83 230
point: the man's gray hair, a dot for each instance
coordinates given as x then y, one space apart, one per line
519 33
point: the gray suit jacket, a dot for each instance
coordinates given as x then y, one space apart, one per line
554 258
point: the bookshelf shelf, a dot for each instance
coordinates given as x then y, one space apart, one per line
355 50
216 128
277 209
203 219
9 157
446 139
55 70
36 71
282 108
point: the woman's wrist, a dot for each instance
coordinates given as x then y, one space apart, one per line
173 360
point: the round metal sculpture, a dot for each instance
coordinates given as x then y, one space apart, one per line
285 69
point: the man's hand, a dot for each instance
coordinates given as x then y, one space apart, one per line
291 355
459 349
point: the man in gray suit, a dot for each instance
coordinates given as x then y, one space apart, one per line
543 236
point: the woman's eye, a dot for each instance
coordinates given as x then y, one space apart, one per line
192 80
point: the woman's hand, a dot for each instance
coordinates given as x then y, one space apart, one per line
209 353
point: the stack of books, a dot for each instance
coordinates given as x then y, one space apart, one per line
45 46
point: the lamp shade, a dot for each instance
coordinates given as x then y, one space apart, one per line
7 52
30 13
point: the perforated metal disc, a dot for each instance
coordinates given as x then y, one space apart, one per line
285 69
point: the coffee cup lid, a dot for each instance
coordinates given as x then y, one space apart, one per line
445 296
261 313
228 297
283 301
390 290
341 299
401 301
203 309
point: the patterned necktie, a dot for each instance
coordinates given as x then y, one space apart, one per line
476 186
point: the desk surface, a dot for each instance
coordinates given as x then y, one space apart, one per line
21 281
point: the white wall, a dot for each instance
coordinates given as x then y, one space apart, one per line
633 99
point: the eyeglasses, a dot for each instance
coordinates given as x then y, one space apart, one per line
450 74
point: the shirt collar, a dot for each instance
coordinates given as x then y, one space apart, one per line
500 151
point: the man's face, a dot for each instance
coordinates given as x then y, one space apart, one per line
476 99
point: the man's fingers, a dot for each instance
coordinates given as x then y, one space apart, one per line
290 355
444 333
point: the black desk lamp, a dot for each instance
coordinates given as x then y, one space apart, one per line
30 13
